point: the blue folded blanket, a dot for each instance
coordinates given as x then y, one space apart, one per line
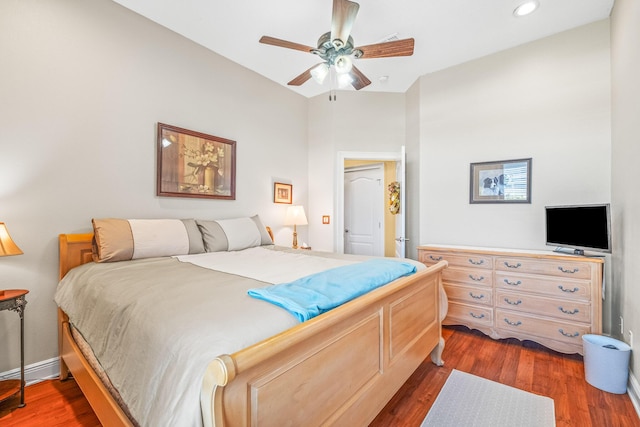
313 295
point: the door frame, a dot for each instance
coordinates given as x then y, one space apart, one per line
339 201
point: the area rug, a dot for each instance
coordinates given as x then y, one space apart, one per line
468 400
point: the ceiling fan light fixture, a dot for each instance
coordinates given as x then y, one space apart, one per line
526 8
343 64
344 80
319 73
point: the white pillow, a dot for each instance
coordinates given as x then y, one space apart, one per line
158 237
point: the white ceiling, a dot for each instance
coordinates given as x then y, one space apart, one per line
446 32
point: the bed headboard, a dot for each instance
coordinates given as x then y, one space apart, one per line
75 250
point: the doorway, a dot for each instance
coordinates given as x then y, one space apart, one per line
398 240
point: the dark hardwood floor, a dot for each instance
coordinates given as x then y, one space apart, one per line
527 366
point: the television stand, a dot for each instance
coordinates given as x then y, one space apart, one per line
562 250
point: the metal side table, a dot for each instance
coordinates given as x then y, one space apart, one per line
14 299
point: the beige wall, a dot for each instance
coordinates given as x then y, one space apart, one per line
548 100
625 61
355 122
82 85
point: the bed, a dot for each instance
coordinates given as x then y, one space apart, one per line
339 368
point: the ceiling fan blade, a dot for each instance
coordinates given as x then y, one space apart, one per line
344 15
302 78
284 43
402 47
359 79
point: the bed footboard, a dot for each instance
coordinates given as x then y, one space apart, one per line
340 368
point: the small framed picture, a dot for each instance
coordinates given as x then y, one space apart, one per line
504 181
282 193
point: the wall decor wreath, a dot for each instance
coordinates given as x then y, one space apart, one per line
394 197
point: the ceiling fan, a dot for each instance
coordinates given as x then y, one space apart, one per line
336 49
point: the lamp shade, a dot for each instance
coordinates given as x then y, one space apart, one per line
320 72
295 216
7 246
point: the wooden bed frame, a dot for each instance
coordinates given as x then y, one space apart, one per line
339 368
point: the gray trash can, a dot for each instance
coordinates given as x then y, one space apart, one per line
606 363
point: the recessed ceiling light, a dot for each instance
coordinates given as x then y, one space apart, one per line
526 8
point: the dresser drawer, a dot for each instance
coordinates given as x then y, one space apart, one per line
461 260
563 288
471 276
558 330
576 311
560 268
467 314
469 294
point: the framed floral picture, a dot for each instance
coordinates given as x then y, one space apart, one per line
282 193
194 164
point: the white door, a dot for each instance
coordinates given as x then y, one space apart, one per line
364 210
401 216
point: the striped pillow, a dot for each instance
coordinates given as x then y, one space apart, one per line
125 239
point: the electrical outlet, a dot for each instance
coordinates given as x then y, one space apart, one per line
630 339
621 326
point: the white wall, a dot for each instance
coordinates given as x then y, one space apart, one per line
355 121
625 58
83 84
548 100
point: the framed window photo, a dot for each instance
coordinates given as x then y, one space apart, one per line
505 181
282 193
194 164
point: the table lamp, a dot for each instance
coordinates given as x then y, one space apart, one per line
295 216
7 246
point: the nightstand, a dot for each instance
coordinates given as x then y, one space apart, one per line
14 300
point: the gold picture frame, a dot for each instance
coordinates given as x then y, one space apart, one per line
282 193
194 164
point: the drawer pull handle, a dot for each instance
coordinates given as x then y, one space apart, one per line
518 265
476 262
508 301
477 279
566 334
518 323
512 283
563 289
565 270
435 258
476 296
477 316
574 311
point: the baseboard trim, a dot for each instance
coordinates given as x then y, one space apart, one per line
36 372
633 390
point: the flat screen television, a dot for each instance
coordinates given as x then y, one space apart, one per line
579 227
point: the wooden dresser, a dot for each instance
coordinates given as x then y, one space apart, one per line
546 297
